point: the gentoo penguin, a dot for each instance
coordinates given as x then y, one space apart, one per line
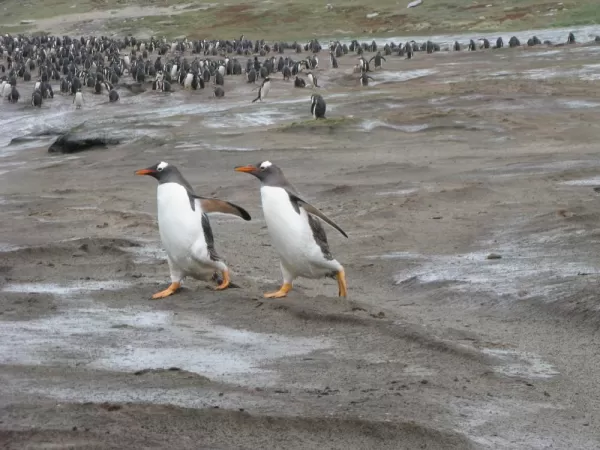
78 99
263 90
317 106
219 92
377 59
13 96
364 79
185 230
312 79
36 98
187 83
296 232
299 82
113 96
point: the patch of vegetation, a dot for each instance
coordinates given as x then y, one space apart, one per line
305 19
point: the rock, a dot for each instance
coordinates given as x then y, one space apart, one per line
74 143
329 6
494 256
370 16
27 22
135 88
414 3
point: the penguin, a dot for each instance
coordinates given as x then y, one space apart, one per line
13 95
187 83
113 96
333 61
185 230
312 79
251 76
296 232
317 106
287 73
78 99
36 98
377 59
263 90
219 92
2 86
364 79
299 82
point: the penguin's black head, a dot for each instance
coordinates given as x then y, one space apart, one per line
158 171
262 171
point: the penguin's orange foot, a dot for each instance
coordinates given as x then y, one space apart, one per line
225 283
282 292
174 287
341 279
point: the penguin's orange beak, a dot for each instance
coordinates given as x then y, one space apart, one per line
145 172
246 169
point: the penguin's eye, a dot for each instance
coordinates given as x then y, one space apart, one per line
160 169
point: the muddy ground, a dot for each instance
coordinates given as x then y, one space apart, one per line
464 182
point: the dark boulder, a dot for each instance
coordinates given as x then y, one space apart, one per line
74 143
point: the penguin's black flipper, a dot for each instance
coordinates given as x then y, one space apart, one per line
314 211
212 205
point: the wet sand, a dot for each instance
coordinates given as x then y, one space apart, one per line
464 181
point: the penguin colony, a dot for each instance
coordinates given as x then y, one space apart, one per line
101 66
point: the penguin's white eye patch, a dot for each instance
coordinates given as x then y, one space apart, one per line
265 164
161 166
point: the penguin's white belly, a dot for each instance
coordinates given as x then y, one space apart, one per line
264 90
188 81
181 230
292 237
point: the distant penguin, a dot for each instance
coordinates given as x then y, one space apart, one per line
317 106
263 90
499 43
514 42
297 234
251 76
13 96
472 46
299 82
113 96
571 38
187 83
312 79
219 79
333 61
2 86
364 79
287 73
219 92
185 229
36 98
378 58
78 99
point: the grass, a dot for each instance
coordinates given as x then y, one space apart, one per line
304 19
